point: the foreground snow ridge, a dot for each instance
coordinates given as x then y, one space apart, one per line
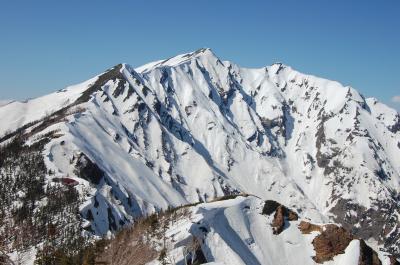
193 128
240 230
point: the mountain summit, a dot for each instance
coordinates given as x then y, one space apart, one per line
131 142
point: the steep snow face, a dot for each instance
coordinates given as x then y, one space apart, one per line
333 147
235 231
193 127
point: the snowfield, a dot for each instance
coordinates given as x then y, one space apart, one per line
193 128
236 232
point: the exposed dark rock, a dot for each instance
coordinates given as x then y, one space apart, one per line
332 241
270 207
112 225
89 215
129 93
375 222
279 221
307 228
188 110
323 159
146 91
113 74
396 126
367 255
88 170
198 258
194 254
120 89
282 215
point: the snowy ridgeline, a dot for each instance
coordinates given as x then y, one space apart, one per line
193 127
241 230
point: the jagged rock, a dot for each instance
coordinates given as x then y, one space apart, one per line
332 241
367 255
282 214
307 228
279 220
270 207
88 170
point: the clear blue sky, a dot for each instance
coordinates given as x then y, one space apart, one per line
47 45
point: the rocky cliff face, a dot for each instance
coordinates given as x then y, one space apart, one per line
193 127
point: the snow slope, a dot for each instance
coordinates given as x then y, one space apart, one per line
4 102
236 232
193 127
16 114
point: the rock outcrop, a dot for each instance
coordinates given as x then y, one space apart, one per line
282 215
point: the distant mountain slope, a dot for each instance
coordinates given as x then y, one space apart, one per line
193 127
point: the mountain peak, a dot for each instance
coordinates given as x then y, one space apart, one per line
130 142
276 67
202 53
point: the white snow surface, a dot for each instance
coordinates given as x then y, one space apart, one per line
4 102
15 114
194 128
238 233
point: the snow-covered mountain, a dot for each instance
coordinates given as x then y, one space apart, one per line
241 230
193 128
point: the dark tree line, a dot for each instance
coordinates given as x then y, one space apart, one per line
35 211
